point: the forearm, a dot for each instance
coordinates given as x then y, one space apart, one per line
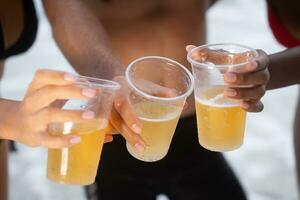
284 68
82 38
6 117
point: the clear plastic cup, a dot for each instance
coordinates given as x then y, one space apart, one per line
78 164
159 87
220 120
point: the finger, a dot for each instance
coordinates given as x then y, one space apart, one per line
56 142
188 48
56 115
252 106
155 89
50 77
253 63
110 130
186 105
254 78
48 94
262 60
108 138
131 137
254 93
126 111
216 57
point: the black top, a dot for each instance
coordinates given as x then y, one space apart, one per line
27 36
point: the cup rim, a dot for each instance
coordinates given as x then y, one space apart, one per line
199 64
148 96
103 83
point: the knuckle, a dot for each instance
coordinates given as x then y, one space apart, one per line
263 59
48 113
49 89
40 72
118 103
240 93
241 78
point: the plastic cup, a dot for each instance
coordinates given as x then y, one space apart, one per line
78 164
159 88
220 120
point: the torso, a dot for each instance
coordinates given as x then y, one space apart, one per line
158 27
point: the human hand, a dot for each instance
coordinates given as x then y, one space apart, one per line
255 76
123 118
29 119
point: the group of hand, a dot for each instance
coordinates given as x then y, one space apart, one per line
35 112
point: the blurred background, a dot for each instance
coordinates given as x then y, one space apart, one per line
265 163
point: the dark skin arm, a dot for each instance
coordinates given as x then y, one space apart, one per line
82 38
284 68
266 72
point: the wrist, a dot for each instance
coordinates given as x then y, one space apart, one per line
8 113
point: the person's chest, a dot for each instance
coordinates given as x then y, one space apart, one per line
155 28
110 10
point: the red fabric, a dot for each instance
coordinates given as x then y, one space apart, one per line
280 32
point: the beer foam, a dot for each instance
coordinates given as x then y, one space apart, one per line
218 101
167 117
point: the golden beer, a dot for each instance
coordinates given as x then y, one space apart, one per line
158 130
220 120
79 163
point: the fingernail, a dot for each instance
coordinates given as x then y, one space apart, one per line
136 128
140 147
245 105
70 77
75 140
88 92
230 77
88 114
230 92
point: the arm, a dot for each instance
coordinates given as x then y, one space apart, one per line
82 38
6 111
284 68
